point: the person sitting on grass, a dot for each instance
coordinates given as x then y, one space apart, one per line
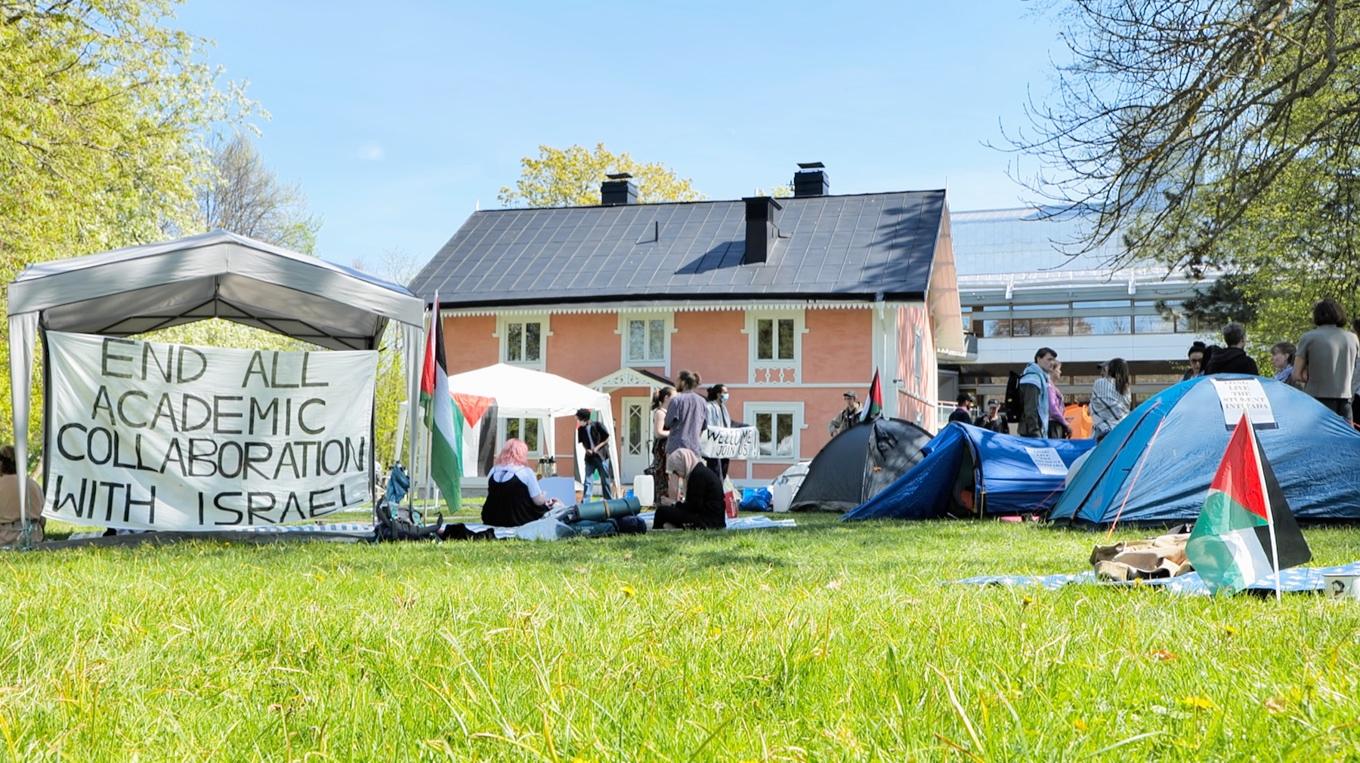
513 496
702 497
11 524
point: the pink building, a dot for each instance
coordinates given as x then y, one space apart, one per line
789 302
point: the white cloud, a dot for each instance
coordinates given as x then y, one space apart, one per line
371 152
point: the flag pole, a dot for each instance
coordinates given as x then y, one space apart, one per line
1270 510
429 429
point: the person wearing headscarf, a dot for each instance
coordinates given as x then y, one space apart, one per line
702 498
11 483
513 495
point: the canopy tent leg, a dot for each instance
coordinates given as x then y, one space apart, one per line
23 333
607 414
412 336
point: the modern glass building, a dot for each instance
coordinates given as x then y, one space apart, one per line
1021 289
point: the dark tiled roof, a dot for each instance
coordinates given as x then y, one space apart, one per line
853 246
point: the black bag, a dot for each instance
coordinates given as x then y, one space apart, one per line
1014 407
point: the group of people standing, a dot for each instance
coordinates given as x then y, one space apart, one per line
1323 363
1040 406
1043 412
689 488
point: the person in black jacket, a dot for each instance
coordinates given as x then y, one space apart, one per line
702 499
594 439
1232 359
964 411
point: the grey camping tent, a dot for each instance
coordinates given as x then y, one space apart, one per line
858 463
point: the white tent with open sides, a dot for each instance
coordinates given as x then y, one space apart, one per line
522 392
212 275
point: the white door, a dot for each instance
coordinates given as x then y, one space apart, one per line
635 434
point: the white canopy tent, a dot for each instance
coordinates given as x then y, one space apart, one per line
212 275
523 392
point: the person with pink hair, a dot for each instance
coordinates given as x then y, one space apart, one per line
513 495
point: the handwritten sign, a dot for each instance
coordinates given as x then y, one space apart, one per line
729 442
171 437
1238 396
1047 461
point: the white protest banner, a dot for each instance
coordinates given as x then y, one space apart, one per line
171 437
729 442
1238 396
1048 461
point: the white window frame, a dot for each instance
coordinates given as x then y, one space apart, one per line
749 411
503 337
502 429
753 318
668 323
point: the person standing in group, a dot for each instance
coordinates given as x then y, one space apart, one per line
660 477
1325 359
1355 374
11 484
993 419
718 416
1196 358
964 412
1034 403
848 417
1110 398
686 419
1232 359
594 439
1057 418
1282 359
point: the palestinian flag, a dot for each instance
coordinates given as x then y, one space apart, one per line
873 405
1245 532
442 417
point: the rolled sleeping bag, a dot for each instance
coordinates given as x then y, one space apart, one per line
599 511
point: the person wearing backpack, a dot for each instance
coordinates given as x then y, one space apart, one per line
1032 391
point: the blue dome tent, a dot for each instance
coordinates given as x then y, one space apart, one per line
997 473
1180 434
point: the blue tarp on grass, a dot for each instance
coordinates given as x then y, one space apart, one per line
1009 475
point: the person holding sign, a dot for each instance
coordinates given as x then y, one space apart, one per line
11 483
702 508
718 417
513 495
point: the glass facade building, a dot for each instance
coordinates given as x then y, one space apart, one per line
1025 282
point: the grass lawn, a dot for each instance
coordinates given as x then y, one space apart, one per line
827 642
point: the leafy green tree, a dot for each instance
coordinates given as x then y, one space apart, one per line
103 109
1216 137
243 196
571 176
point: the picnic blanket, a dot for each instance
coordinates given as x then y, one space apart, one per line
1293 580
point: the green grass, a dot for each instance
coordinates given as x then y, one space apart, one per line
827 642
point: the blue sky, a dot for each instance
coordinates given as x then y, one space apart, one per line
398 119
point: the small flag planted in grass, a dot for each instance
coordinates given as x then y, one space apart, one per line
1245 532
